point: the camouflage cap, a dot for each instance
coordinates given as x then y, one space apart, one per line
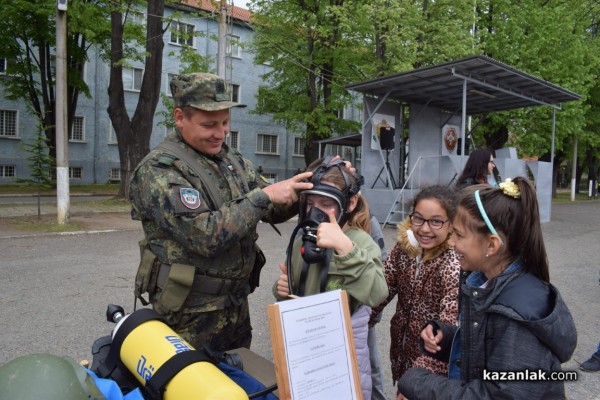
203 91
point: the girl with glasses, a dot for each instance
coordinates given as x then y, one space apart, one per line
423 271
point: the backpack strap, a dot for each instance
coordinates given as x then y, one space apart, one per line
174 149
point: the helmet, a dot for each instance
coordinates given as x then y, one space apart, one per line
49 377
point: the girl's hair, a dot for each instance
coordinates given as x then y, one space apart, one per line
442 194
360 217
476 167
517 218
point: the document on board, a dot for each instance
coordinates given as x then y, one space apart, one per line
318 347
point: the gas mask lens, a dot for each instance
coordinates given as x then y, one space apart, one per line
323 202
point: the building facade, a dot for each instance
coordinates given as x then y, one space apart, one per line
93 153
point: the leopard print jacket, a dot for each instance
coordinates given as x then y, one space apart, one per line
427 289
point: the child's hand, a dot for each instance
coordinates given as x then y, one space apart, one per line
283 289
431 340
331 236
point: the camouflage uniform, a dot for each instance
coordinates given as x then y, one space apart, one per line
182 227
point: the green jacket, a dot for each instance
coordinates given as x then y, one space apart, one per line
219 243
359 273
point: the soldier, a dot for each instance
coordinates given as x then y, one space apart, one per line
199 202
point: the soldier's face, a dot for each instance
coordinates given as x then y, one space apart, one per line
205 131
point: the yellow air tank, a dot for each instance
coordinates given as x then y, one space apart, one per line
152 343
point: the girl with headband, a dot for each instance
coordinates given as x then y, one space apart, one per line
514 328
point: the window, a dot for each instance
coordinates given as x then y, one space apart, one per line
233 46
182 34
112 136
134 16
266 144
334 150
7 66
232 140
132 78
8 123
75 172
169 129
114 175
235 93
169 77
7 171
272 178
77 132
299 144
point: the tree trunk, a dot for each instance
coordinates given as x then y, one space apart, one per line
133 135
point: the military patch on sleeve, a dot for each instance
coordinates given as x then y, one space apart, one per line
190 198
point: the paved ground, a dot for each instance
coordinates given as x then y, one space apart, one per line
55 287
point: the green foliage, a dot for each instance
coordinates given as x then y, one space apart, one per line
315 49
190 61
40 163
549 41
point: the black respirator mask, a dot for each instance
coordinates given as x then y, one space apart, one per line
310 218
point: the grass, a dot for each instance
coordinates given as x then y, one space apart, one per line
46 223
564 196
96 189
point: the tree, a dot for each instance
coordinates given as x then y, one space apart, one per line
312 54
41 165
27 32
316 48
133 134
547 40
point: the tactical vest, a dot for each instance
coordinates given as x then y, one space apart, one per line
177 280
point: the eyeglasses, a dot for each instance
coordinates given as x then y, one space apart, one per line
433 223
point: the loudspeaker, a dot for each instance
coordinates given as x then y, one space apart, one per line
386 136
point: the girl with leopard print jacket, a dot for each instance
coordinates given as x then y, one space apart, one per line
423 271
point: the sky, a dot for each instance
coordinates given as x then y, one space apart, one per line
240 3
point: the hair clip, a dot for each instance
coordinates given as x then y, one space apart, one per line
510 188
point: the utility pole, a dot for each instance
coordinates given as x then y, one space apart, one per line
574 169
62 143
221 56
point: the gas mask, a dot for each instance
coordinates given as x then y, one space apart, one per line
309 250
311 216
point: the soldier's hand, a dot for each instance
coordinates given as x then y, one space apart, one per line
283 289
285 192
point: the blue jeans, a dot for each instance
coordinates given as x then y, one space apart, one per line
377 390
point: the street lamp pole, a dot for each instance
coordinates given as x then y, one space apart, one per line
62 143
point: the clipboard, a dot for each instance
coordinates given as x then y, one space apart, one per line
313 348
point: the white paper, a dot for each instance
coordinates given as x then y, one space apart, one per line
317 348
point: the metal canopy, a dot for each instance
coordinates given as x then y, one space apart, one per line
353 140
490 86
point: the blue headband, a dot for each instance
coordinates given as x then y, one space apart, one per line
484 215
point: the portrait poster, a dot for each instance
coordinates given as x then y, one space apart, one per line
379 121
313 348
